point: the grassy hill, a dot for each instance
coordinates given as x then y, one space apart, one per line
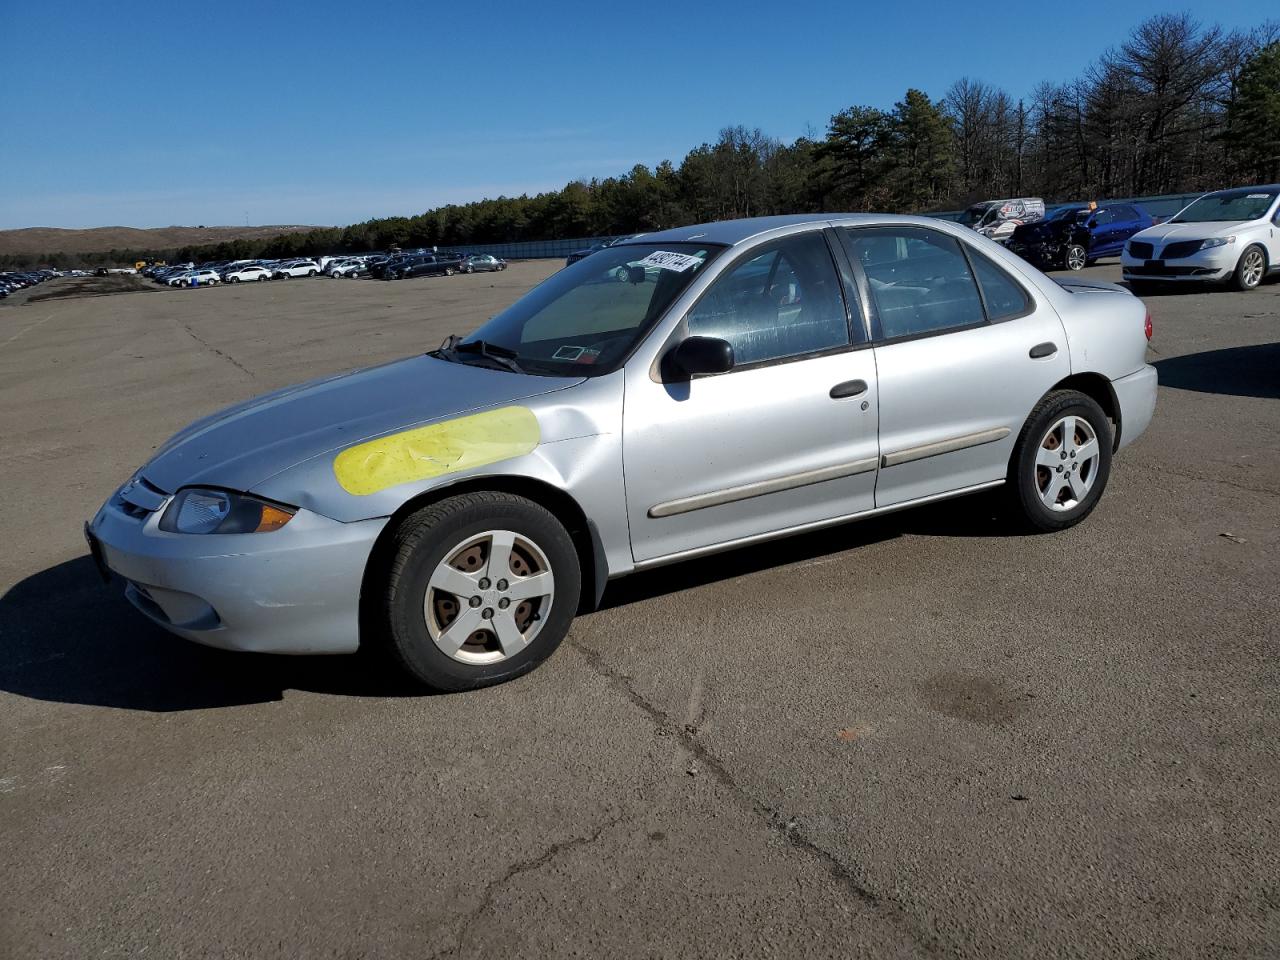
45 240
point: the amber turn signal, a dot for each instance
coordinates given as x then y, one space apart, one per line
273 518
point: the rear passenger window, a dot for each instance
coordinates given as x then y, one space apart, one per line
1005 299
783 301
919 278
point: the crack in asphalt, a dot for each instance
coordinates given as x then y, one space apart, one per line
225 356
1191 476
519 868
788 828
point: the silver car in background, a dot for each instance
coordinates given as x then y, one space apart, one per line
671 396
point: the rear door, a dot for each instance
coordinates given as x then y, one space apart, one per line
1106 233
963 353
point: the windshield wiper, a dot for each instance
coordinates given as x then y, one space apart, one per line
504 357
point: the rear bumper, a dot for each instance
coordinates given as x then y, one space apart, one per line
295 590
1136 397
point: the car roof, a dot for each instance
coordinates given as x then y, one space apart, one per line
734 232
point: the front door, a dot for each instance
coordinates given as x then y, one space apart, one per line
786 437
963 354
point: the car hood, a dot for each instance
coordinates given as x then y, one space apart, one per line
1168 232
244 445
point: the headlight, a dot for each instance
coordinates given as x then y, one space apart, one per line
197 510
1216 242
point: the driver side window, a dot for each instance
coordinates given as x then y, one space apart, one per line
782 301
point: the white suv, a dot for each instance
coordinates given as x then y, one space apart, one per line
195 278
346 268
251 272
299 268
1231 235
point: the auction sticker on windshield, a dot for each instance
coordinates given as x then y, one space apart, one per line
670 261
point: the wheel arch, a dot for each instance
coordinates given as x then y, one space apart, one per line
1098 388
586 539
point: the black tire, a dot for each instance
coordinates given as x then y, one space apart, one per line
1075 257
448 271
235 279
423 541
1023 481
1246 276
312 273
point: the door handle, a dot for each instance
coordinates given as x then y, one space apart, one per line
850 388
1042 350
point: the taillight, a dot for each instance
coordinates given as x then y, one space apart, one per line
1147 326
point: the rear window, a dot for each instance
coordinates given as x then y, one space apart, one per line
1004 297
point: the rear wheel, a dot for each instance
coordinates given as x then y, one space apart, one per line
482 587
1250 270
1061 462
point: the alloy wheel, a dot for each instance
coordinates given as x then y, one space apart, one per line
1067 463
1076 257
489 598
1253 266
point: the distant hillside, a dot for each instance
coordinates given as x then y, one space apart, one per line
45 240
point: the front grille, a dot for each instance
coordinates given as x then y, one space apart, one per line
129 510
1166 271
139 498
1183 248
1140 249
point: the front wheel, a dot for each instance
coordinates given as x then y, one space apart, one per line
1061 461
1250 270
235 279
481 588
1076 257
448 271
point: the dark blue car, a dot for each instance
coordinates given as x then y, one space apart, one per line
1074 237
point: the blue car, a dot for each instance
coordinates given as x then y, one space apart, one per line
1074 237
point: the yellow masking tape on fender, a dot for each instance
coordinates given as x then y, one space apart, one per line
440 448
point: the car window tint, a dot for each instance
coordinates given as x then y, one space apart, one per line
1104 217
1003 296
782 301
919 279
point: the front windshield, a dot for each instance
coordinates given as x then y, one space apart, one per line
585 319
1070 214
1228 206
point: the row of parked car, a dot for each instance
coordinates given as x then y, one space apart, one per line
14 281
1228 236
394 266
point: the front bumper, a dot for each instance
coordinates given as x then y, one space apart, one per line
1136 397
1046 252
294 590
1206 266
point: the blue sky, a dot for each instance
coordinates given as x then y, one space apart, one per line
332 113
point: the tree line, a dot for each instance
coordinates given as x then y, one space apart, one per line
1178 106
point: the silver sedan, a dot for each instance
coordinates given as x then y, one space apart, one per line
682 393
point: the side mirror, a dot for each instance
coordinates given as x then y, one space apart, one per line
698 355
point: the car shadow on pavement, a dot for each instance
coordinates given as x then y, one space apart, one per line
1252 371
66 636
977 515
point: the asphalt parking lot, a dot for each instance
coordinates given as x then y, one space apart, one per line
919 735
